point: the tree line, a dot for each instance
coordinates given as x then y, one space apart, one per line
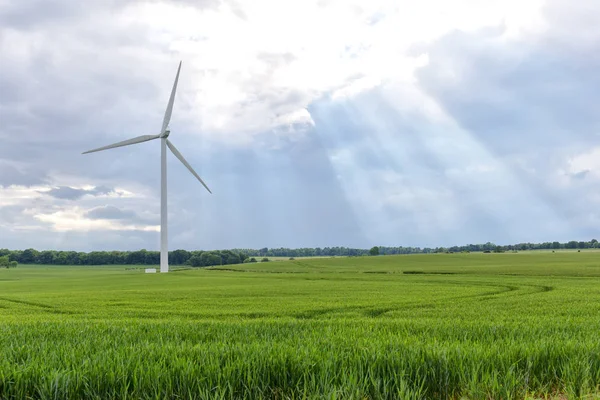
139 257
236 256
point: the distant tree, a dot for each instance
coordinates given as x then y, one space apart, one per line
229 257
45 257
265 259
152 258
4 262
196 260
119 257
134 257
61 258
211 258
491 246
82 258
374 251
12 264
29 256
98 258
250 260
15 255
179 257
292 258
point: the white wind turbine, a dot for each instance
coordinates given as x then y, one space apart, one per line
164 143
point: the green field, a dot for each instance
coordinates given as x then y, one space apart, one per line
481 326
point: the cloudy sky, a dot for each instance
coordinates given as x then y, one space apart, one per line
314 122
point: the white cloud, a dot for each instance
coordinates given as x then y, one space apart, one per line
332 46
588 162
13 195
24 207
243 60
74 219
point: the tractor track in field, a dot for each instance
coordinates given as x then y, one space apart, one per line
375 312
39 306
496 291
521 291
28 303
255 271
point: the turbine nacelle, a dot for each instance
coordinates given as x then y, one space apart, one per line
165 134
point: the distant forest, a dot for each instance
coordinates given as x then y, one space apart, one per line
236 256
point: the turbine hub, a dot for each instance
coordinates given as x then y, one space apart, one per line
166 134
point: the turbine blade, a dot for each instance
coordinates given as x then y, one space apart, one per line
188 166
169 110
135 140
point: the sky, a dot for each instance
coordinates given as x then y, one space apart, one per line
315 123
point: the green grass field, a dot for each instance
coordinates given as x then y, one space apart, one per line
480 326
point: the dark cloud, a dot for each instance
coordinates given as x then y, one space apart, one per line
515 94
58 98
531 102
581 175
69 193
12 175
110 212
37 14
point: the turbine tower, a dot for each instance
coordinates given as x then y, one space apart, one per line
164 143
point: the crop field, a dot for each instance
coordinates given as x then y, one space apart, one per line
477 326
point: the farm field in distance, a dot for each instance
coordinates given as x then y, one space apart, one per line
477 326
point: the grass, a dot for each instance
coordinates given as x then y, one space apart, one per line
481 326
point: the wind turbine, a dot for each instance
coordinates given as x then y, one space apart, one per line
164 143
